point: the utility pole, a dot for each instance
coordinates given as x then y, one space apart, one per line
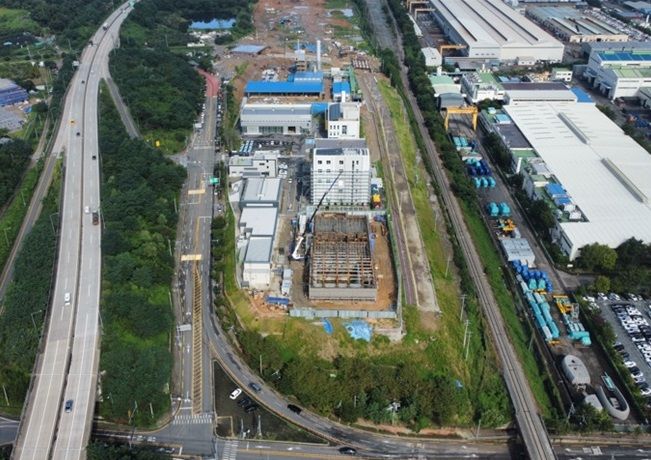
260 364
463 306
447 266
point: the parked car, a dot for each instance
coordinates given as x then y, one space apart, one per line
235 393
630 364
250 408
245 401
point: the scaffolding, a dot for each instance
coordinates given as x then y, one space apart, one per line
341 262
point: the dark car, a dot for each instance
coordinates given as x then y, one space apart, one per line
618 347
294 408
245 401
95 218
625 356
347 451
255 387
68 406
78 134
251 408
94 157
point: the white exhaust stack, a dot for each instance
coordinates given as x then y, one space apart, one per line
318 55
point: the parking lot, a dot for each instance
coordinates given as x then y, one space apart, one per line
630 318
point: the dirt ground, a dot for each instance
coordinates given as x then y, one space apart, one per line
383 270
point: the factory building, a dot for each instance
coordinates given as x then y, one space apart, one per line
576 26
257 232
596 179
432 57
528 92
479 86
284 88
260 192
341 259
341 170
342 120
286 119
490 29
261 164
11 93
619 73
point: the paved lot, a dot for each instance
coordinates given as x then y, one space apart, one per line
622 336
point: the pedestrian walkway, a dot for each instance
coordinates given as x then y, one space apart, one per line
230 450
189 419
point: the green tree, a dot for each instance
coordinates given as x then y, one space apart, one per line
597 257
601 284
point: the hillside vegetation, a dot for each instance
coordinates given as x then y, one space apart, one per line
138 190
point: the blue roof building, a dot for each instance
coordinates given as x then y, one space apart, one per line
305 76
11 93
338 88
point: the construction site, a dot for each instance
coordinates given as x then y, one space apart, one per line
345 264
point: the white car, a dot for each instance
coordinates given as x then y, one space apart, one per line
66 298
87 210
235 393
629 364
645 391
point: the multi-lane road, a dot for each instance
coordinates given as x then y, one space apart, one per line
66 370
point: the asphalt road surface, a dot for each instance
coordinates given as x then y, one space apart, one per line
67 368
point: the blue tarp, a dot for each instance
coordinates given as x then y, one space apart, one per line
359 330
283 87
327 326
555 190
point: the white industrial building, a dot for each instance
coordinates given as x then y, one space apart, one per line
561 74
260 192
599 178
341 170
342 120
619 73
479 86
265 119
432 57
531 92
257 231
256 264
260 164
492 30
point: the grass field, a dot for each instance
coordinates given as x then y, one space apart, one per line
17 21
450 333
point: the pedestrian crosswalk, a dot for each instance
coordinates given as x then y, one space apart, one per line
230 450
189 419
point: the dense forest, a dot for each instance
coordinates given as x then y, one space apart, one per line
138 190
14 158
161 89
26 302
73 20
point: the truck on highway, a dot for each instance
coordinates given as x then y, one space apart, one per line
95 218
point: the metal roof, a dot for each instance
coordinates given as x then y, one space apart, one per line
248 49
259 249
334 112
339 86
324 143
291 110
607 173
492 22
261 189
259 221
283 87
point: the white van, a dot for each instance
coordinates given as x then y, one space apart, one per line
66 298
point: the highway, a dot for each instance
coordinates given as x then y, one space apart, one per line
67 368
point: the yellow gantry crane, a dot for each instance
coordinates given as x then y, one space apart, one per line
471 110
